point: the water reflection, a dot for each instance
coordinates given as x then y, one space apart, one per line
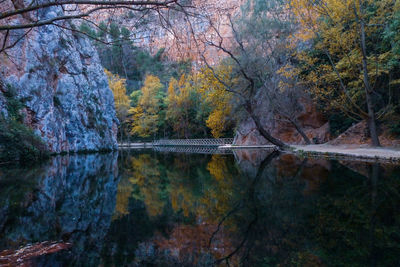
70 198
253 208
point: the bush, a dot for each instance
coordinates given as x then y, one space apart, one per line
339 123
18 141
393 121
394 128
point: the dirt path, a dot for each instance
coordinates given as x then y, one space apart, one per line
387 154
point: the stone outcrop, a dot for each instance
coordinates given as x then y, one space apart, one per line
315 126
358 134
58 75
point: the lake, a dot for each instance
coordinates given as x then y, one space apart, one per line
159 208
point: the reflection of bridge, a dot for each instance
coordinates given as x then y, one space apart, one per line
215 142
192 149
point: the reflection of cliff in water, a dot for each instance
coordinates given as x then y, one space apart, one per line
181 209
70 198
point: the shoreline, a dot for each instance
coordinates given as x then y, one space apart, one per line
339 152
371 154
344 152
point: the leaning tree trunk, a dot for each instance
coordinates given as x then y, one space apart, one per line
301 132
262 130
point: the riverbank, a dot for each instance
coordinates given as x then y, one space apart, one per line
350 152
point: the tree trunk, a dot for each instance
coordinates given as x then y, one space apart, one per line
122 133
261 129
372 122
368 90
301 132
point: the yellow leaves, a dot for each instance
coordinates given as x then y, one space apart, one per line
173 84
124 192
145 116
307 17
180 103
395 82
288 71
148 101
205 87
121 100
332 69
216 95
218 168
217 121
147 177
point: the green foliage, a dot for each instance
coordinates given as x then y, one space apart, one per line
339 123
135 95
18 141
14 105
57 102
395 129
394 123
85 27
123 58
185 108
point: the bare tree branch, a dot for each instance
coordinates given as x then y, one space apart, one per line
86 2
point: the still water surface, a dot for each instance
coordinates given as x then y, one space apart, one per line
251 208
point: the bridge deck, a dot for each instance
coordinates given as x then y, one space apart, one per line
216 142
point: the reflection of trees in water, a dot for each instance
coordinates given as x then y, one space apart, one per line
147 175
358 220
351 220
261 210
70 198
173 190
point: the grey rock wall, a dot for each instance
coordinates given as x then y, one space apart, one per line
59 75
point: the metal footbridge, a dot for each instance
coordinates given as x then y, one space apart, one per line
215 142
193 150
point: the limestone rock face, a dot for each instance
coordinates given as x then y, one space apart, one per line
59 76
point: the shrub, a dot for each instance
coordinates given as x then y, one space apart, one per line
18 141
339 123
394 128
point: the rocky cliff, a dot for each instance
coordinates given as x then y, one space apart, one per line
59 77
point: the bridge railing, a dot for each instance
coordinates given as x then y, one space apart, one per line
193 142
193 150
